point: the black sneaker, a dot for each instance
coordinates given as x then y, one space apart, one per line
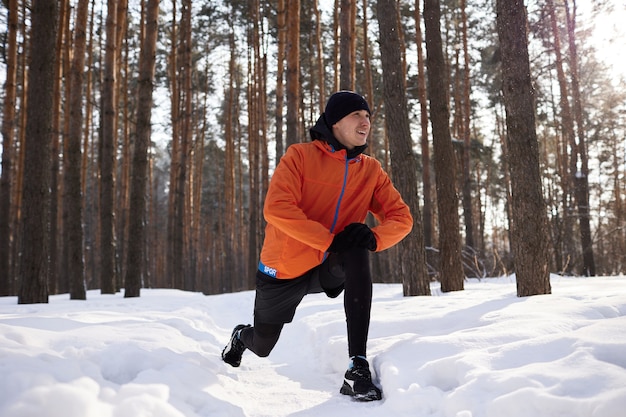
234 349
357 382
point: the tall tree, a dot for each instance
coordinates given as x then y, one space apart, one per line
230 211
466 134
8 134
367 62
528 221
427 212
172 263
73 205
107 155
18 186
336 45
34 266
412 256
124 160
262 111
136 267
58 253
181 220
451 269
568 167
88 173
257 146
281 22
347 45
319 52
581 178
181 98
293 72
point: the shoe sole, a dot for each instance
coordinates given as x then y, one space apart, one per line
371 395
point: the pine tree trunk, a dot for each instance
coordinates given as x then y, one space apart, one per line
136 267
336 46
468 215
173 262
107 157
18 196
451 270
8 134
254 209
294 134
569 165
181 221
34 266
528 221
122 189
581 178
58 255
228 216
256 139
427 210
319 51
87 168
412 255
346 42
73 190
368 91
281 14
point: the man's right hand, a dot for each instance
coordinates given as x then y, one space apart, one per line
354 235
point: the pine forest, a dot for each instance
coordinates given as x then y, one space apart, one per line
139 137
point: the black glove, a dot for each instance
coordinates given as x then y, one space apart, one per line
340 243
361 236
354 235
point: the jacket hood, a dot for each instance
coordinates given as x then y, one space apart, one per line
321 131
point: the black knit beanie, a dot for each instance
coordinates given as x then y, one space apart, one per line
341 104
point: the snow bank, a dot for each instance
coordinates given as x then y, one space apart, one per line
482 352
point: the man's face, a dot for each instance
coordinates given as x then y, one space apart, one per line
353 129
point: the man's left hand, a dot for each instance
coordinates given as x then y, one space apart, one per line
361 235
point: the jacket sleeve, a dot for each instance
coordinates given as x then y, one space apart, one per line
392 213
282 208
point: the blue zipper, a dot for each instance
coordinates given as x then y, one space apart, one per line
343 189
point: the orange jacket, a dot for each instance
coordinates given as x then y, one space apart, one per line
314 193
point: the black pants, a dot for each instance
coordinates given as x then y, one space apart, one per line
276 300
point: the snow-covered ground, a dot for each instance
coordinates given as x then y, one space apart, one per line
482 352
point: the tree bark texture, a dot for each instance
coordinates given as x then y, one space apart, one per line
8 139
107 157
135 268
34 265
412 257
451 269
528 221
427 210
294 135
73 190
